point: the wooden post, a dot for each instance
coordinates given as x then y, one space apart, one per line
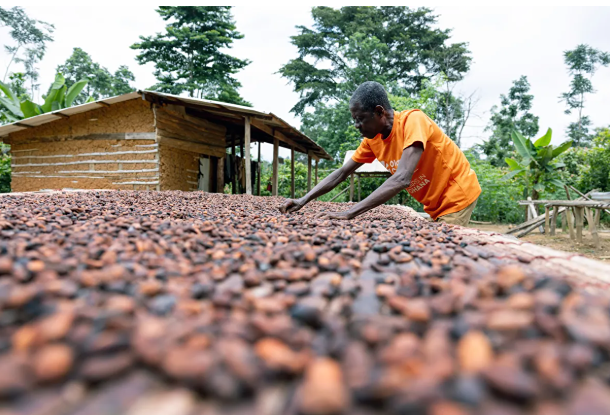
351 187
292 172
241 155
595 228
554 220
234 167
579 223
570 221
315 182
308 172
546 221
258 170
276 148
359 189
564 222
591 214
247 155
220 175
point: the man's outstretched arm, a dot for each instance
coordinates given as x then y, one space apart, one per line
329 183
391 187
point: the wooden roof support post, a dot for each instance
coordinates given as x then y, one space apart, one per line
308 171
351 187
247 156
276 148
292 172
258 168
234 168
315 182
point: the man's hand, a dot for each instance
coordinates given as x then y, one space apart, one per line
291 205
346 215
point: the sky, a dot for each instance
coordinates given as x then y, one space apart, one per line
506 42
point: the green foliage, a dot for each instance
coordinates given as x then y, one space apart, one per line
102 84
58 97
189 55
30 37
535 165
498 201
582 63
5 168
513 114
395 46
589 168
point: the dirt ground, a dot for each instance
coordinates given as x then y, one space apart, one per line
561 241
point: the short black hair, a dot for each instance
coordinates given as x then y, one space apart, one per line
370 94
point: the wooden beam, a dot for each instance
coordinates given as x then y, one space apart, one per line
351 187
220 175
579 223
20 124
308 172
570 221
234 175
198 148
258 170
547 227
554 220
359 189
277 134
276 147
247 155
315 182
292 172
59 114
103 104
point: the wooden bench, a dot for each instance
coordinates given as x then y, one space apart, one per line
593 209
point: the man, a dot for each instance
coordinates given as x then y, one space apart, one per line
420 157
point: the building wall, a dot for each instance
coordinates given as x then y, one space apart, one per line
178 168
112 147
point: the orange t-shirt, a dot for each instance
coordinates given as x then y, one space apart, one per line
443 180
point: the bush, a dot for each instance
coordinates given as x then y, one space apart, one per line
5 169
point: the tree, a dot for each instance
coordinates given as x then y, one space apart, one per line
5 168
582 63
188 57
101 83
395 46
513 114
30 35
535 163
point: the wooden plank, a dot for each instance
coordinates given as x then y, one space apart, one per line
247 155
308 172
592 228
220 175
276 148
258 170
108 136
596 228
351 187
587 197
570 221
198 148
234 175
292 172
547 227
259 124
580 203
564 223
359 189
554 220
579 223
315 182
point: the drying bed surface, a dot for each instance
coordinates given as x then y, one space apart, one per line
187 303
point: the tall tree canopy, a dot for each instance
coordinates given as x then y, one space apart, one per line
188 56
582 63
395 46
513 114
30 37
101 83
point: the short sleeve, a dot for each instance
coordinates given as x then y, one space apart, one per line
418 127
364 154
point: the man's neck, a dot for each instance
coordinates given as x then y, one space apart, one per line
387 130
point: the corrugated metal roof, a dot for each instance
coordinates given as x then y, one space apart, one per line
216 106
374 167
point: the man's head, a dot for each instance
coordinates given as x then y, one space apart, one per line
371 109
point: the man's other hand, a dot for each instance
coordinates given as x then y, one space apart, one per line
291 205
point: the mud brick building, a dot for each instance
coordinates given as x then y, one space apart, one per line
147 140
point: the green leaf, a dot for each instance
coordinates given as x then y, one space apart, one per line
10 105
545 140
561 148
511 174
30 109
539 187
513 164
59 82
59 100
520 145
90 99
9 93
556 182
74 91
559 165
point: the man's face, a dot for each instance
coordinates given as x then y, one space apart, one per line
369 123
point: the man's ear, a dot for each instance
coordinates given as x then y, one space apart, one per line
380 111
